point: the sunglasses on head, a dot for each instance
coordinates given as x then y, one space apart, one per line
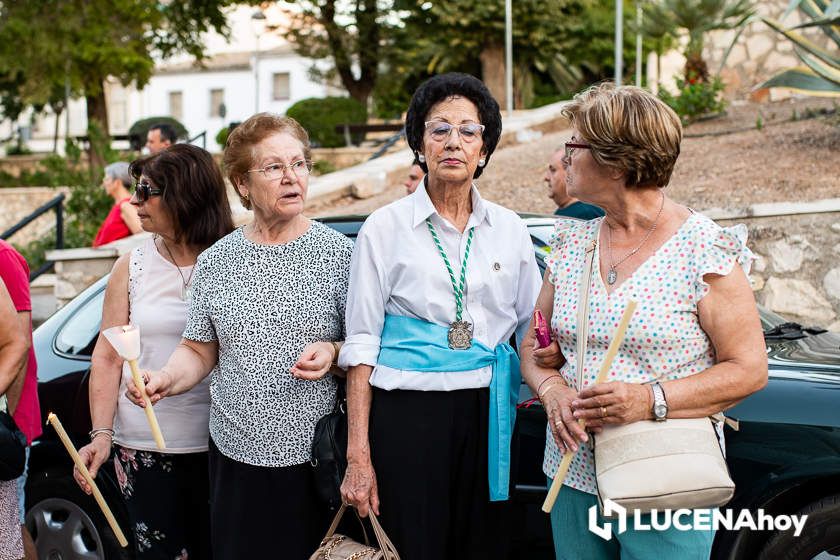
143 191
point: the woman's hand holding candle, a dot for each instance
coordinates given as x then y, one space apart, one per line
93 455
157 386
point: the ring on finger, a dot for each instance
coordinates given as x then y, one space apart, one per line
559 423
603 412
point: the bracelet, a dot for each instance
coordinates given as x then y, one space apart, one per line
97 431
336 349
547 390
546 379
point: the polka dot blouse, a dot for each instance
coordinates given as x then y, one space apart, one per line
664 340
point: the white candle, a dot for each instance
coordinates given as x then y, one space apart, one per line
126 341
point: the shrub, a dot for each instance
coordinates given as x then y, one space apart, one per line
222 136
319 116
695 98
137 132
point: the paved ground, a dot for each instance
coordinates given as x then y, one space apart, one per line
784 161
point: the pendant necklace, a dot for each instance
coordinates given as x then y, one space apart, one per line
186 285
460 332
612 274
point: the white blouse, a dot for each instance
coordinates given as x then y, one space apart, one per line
157 309
396 269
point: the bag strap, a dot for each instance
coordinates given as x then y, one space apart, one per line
389 552
583 310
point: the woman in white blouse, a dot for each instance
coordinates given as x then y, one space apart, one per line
180 197
440 281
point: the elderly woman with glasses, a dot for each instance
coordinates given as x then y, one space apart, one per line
180 197
268 304
694 346
440 281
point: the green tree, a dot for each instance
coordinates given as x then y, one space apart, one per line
50 45
348 33
697 18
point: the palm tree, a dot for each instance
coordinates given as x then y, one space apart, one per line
698 17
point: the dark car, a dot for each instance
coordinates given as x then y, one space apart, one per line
785 457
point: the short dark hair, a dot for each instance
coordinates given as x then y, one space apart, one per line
194 192
438 88
167 131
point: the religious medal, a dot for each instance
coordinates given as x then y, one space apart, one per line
612 276
460 335
460 332
186 293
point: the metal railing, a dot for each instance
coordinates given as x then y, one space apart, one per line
203 136
56 204
387 144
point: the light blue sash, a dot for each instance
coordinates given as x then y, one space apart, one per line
417 345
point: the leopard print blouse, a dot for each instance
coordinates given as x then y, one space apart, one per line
264 304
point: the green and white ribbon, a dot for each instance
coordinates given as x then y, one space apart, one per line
456 287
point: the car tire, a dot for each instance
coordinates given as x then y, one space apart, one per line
821 534
65 523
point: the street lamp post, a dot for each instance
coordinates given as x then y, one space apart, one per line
619 40
258 19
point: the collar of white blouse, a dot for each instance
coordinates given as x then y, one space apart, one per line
423 208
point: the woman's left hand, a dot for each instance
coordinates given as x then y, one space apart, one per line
550 357
315 361
614 402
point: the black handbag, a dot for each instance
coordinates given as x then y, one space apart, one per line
12 448
329 452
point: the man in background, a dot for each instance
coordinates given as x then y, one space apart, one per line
23 393
555 176
160 137
415 175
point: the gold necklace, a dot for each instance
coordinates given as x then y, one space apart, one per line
186 285
612 274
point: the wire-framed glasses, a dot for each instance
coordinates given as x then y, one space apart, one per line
439 130
272 171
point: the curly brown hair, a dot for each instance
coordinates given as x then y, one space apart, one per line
628 129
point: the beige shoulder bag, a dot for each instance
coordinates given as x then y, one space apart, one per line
649 465
341 547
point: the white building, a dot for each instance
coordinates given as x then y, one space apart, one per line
255 70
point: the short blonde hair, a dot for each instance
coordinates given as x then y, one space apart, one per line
239 149
629 129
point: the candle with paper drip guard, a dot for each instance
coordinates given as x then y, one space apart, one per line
612 350
126 341
97 495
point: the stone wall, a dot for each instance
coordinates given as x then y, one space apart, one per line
797 273
17 203
759 52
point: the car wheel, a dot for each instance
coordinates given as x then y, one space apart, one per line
66 524
820 539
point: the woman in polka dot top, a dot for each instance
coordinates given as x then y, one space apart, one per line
694 346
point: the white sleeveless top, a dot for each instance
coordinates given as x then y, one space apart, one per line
156 308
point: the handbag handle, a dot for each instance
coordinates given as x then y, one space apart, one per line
389 552
583 311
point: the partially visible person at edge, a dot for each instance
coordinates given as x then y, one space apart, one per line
567 205
415 175
14 346
122 220
694 344
267 308
23 394
160 136
440 281
180 198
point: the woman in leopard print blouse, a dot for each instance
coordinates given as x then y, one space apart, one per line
268 299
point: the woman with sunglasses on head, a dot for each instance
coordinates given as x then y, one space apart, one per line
180 197
694 346
268 308
439 283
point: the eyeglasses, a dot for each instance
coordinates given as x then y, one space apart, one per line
572 146
274 171
440 130
143 190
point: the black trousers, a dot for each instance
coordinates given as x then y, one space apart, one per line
429 451
263 512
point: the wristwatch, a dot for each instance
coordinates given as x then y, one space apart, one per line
660 406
